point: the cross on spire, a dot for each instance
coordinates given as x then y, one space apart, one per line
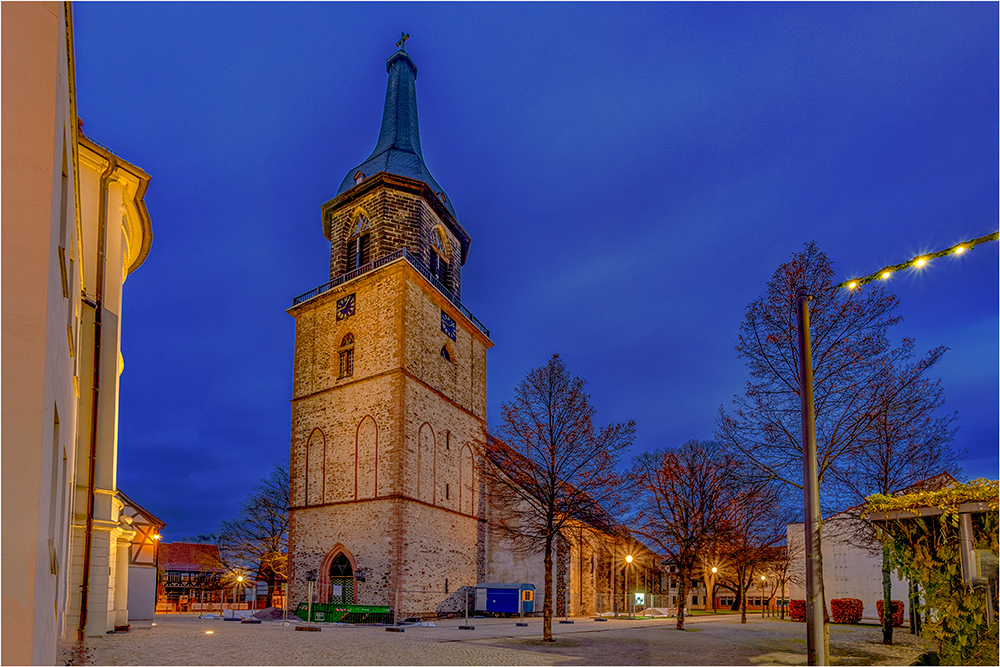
403 36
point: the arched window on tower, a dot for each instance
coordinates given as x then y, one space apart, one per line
346 356
439 257
359 244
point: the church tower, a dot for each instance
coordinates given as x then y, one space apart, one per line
389 391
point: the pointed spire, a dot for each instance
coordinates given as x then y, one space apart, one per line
397 150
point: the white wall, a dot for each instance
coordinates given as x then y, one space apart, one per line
849 571
141 593
40 332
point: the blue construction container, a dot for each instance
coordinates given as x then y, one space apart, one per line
503 598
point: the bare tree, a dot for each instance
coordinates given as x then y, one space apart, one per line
850 346
682 501
550 468
753 524
907 443
780 566
256 539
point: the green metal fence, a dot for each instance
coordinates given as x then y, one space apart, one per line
344 613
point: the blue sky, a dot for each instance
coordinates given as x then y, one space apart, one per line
630 175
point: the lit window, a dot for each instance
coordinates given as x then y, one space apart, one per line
359 244
347 356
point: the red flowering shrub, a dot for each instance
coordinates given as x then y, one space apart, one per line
797 611
846 610
897 612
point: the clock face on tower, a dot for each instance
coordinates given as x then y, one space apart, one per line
345 307
447 325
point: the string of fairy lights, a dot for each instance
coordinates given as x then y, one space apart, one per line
918 262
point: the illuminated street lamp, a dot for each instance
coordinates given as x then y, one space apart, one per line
628 559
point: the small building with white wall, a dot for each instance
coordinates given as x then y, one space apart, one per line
143 557
850 570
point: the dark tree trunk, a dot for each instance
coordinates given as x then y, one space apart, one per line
781 607
682 596
742 574
547 605
743 606
887 610
269 599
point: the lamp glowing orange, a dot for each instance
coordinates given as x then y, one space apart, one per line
920 262
959 250
852 284
885 276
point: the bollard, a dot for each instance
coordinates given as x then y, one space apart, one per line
395 616
466 626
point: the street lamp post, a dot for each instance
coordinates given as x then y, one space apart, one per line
239 580
817 640
715 608
628 606
762 579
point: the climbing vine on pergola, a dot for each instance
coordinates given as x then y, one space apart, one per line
922 531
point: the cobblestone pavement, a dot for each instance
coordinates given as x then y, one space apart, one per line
720 640
187 640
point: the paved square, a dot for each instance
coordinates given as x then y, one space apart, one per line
181 639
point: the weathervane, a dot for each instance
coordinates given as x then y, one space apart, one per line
403 36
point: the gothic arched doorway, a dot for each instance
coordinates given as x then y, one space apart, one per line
337 577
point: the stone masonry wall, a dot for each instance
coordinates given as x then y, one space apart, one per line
383 462
463 379
398 218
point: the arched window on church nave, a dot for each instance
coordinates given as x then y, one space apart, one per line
346 356
438 260
359 244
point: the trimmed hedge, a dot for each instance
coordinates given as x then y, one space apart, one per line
897 612
846 610
797 611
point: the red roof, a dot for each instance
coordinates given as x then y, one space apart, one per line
189 557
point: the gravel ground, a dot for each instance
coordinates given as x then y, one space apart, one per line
722 641
181 639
